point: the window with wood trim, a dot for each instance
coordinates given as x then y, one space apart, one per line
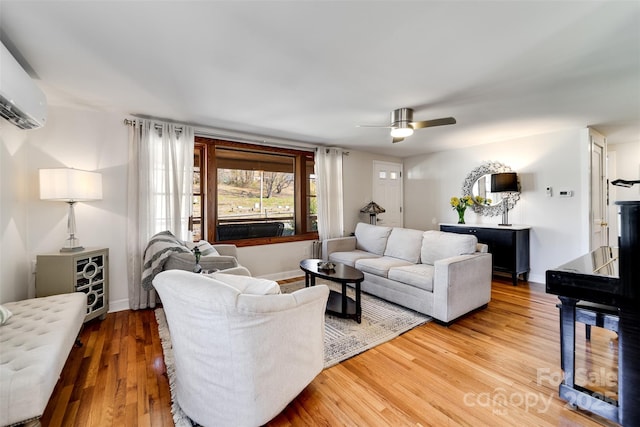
252 194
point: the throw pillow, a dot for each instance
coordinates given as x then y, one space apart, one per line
439 245
205 248
5 314
371 238
404 243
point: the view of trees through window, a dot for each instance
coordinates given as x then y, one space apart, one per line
250 194
244 192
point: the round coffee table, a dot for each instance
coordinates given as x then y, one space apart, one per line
338 304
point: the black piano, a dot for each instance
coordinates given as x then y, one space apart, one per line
606 282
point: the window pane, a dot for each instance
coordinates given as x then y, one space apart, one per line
197 215
312 203
256 194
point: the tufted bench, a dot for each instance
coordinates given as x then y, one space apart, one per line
34 346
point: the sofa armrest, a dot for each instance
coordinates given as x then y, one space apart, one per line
461 284
227 250
338 244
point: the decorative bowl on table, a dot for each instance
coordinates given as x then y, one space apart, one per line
326 266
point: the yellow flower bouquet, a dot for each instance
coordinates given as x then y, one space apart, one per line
460 204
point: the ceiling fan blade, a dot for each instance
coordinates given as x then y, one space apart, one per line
394 140
435 122
374 126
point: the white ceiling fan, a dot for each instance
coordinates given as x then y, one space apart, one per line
402 124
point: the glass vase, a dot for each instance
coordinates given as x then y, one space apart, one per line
461 216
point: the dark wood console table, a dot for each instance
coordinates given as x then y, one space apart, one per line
609 276
338 304
508 245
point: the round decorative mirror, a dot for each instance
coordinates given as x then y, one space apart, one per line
478 184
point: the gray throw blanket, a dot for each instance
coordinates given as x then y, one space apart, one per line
159 248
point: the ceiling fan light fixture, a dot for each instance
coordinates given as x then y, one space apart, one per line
401 132
402 124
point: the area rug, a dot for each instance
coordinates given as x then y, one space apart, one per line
344 338
381 321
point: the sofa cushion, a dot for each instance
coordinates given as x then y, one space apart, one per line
371 238
416 275
379 266
438 245
404 243
349 258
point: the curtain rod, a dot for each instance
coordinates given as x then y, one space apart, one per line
206 132
344 153
260 141
132 122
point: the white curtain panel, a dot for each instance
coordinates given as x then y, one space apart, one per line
160 193
328 165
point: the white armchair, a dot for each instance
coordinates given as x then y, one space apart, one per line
242 350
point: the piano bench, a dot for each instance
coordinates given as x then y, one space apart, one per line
592 314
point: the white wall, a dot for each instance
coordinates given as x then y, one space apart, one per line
277 261
14 265
623 163
94 141
357 170
80 139
627 166
559 225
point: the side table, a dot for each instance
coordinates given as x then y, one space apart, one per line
83 271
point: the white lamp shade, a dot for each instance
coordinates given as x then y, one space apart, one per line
70 185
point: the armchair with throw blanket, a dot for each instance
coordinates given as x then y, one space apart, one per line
242 349
165 251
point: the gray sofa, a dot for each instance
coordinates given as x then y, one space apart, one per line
443 275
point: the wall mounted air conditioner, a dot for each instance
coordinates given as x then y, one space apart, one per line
21 101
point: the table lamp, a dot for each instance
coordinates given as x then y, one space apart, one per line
372 209
505 182
70 186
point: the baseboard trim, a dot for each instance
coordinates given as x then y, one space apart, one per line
283 275
118 305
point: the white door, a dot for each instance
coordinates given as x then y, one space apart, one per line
599 224
387 192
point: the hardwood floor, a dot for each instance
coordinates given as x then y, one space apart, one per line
499 366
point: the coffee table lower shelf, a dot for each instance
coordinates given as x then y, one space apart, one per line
348 310
338 304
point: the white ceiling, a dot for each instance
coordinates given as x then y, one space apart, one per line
312 70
